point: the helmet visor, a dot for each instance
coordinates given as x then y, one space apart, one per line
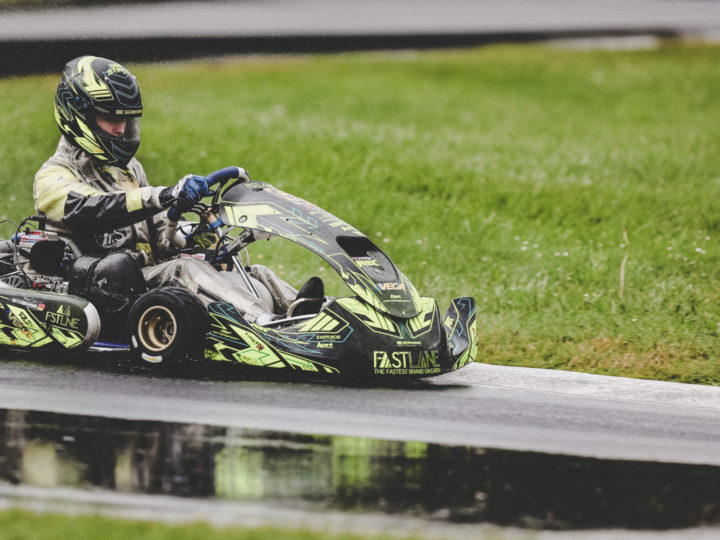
132 128
119 127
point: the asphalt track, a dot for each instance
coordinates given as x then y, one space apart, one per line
274 18
42 40
481 405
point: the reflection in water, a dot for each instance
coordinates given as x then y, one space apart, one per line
443 482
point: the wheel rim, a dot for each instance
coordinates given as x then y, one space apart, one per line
156 328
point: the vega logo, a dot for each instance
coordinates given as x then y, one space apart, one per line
390 286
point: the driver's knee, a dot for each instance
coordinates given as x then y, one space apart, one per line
120 273
111 282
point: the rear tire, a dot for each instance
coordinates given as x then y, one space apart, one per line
166 325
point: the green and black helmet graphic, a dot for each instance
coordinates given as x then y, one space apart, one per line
93 87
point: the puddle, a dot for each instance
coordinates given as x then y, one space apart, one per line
449 483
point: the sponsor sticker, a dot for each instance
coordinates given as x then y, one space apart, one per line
115 68
390 286
366 260
406 362
31 304
199 256
62 318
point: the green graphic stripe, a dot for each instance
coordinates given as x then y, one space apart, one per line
470 353
371 318
423 323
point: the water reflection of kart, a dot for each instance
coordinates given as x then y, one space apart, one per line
385 329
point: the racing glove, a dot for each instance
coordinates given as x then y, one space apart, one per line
190 190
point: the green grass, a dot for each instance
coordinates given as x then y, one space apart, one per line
22 525
522 175
25 525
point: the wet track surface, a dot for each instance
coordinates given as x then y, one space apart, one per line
455 409
453 449
158 31
454 483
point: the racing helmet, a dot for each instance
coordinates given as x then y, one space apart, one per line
92 86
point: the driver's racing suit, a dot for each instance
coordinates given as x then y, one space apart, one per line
107 209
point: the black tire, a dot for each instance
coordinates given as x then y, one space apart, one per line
167 325
7 259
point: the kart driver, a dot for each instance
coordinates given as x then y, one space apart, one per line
94 191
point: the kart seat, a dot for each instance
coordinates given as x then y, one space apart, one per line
309 299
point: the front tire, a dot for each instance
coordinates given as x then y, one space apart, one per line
167 324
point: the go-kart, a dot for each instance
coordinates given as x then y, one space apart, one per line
385 329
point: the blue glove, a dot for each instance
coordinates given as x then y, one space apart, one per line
186 193
192 189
